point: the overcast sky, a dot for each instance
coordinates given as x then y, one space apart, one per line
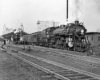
28 12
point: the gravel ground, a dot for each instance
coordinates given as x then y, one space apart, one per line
14 69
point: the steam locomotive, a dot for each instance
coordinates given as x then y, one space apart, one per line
70 37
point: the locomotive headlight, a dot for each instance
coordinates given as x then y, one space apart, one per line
82 31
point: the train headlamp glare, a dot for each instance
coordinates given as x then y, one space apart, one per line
82 31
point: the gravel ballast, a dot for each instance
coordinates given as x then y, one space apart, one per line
12 68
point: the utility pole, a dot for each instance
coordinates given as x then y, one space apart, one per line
67 10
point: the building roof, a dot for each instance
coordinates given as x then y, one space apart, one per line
92 33
8 34
12 33
24 33
36 32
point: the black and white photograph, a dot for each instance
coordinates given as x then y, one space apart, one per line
49 39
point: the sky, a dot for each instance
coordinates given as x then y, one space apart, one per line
28 12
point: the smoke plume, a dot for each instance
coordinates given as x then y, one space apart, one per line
78 8
75 9
87 11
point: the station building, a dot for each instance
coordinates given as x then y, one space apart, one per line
41 25
94 38
8 33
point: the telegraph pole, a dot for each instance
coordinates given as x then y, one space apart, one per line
67 10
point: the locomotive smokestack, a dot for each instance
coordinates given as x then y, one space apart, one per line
76 22
67 11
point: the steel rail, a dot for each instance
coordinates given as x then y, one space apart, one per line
41 68
62 65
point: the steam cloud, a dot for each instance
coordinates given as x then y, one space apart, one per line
75 9
78 7
87 11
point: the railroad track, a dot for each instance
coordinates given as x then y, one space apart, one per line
60 71
92 62
65 54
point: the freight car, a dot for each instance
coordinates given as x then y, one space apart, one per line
70 36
